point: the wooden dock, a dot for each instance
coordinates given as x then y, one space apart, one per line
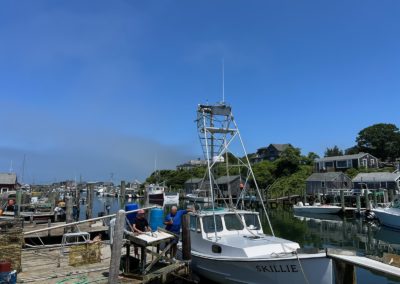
90 227
345 262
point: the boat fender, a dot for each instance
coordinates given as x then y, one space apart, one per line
216 249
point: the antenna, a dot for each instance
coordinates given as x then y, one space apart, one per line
223 80
11 166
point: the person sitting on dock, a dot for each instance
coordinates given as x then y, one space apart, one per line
173 224
140 226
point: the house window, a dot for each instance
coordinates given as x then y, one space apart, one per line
341 164
372 161
322 184
364 162
328 164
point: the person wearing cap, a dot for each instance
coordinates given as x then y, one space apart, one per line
173 224
140 226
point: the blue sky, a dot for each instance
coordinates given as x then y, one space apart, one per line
100 87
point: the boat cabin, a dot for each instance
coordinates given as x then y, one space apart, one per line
227 223
233 234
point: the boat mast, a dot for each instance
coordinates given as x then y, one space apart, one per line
218 132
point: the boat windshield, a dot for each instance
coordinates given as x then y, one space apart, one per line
233 223
209 225
251 221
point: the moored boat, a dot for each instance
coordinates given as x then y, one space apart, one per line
389 216
228 245
316 208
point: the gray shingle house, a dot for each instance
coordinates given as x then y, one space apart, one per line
342 163
234 182
378 180
8 181
195 183
270 153
322 183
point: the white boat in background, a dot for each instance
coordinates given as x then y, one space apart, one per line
198 195
316 208
389 216
171 197
155 192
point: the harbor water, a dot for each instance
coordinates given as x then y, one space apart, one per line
318 231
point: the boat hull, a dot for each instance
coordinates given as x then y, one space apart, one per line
316 270
317 209
388 217
155 196
171 198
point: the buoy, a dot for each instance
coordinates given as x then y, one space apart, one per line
156 218
131 216
6 275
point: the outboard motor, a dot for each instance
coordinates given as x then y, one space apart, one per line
369 215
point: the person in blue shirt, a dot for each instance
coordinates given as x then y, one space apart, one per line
173 224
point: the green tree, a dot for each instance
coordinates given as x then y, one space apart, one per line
309 159
381 140
352 150
288 162
332 152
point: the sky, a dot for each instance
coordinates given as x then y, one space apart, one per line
110 88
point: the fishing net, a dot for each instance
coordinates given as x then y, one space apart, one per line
85 254
11 242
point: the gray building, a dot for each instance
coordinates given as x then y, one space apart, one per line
377 180
270 153
322 183
235 183
342 163
8 182
195 183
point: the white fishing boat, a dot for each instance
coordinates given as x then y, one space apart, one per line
316 208
171 197
239 252
228 245
389 216
198 195
155 192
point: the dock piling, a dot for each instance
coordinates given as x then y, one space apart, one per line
186 247
342 200
358 203
116 247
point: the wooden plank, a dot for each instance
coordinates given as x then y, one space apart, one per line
366 263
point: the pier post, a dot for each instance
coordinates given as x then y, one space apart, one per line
391 195
186 247
385 197
342 200
358 203
68 212
367 205
122 194
374 196
89 201
344 272
116 247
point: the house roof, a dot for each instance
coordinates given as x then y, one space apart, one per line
8 178
376 177
193 180
226 179
280 147
324 176
341 158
